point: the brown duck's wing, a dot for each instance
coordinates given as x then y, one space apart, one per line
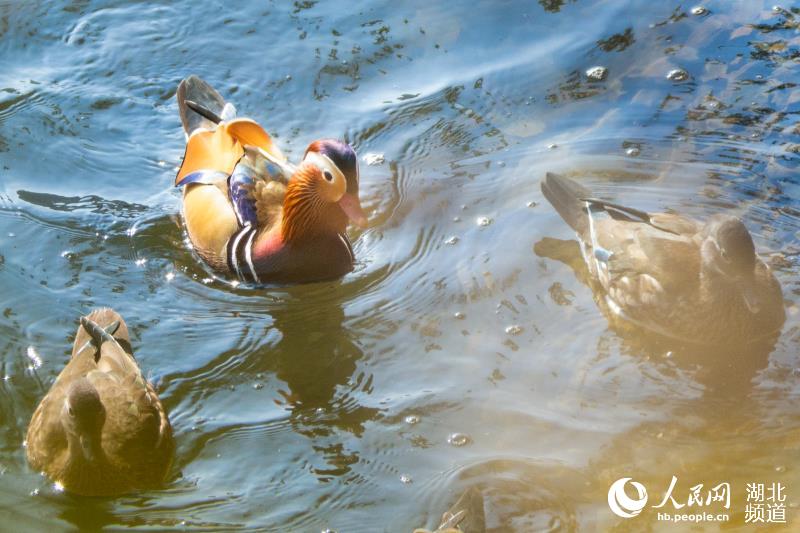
137 435
648 268
46 441
677 224
136 425
771 313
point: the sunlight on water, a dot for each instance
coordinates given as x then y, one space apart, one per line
467 349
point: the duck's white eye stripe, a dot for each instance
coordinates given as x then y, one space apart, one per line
324 163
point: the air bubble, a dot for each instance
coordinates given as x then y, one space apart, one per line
514 329
677 74
459 439
597 73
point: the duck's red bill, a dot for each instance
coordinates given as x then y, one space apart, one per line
352 208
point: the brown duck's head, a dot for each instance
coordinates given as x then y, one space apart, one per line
729 255
83 416
323 194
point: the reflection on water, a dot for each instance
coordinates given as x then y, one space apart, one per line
466 349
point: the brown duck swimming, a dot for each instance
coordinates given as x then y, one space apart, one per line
694 281
251 213
101 429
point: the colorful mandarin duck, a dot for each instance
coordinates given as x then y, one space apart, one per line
697 282
251 213
101 429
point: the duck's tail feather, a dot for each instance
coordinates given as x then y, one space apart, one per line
467 514
567 197
100 322
195 96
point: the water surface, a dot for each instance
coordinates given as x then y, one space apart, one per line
333 405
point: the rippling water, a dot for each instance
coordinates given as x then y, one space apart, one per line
334 405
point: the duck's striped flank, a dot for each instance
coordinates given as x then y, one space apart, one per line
240 254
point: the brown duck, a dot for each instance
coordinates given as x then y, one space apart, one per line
678 277
101 429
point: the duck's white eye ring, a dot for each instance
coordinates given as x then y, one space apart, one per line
328 175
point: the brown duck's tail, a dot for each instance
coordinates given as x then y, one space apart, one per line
200 105
466 515
109 321
567 197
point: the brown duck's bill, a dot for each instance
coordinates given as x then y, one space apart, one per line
352 208
751 296
87 447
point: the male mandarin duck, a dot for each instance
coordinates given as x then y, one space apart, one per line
680 278
248 211
101 429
